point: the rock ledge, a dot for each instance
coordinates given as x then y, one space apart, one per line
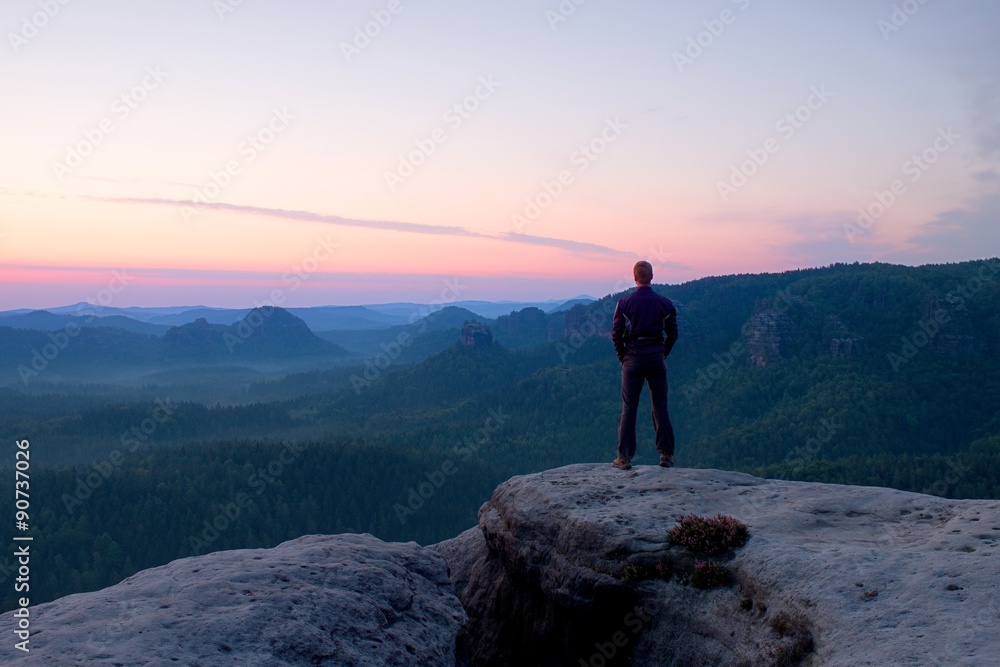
316 600
832 575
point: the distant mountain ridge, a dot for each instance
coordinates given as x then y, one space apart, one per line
858 311
842 362
157 321
265 334
44 320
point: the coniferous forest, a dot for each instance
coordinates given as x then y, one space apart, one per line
150 447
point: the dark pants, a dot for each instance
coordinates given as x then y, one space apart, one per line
637 369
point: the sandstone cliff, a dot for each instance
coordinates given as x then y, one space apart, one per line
561 570
318 600
573 567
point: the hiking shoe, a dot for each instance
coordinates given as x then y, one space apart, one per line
621 463
666 461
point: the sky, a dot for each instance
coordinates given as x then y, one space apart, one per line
234 153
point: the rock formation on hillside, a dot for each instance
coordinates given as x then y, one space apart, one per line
318 600
586 322
953 331
784 325
769 334
561 570
476 334
523 328
843 343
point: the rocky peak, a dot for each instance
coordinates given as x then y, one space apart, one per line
770 333
952 328
476 334
843 343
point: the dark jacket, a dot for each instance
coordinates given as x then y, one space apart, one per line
644 322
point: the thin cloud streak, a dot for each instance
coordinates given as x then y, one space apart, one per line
408 227
564 244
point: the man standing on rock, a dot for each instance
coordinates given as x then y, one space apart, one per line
644 331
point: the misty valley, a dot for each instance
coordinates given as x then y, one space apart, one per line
165 433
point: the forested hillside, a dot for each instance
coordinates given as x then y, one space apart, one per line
858 374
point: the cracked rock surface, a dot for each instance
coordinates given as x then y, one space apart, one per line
573 566
316 600
560 570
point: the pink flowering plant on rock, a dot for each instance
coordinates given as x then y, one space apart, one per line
709 536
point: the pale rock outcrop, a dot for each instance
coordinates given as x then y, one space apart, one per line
573 566
560 572
317 600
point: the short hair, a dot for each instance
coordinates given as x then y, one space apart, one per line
643 272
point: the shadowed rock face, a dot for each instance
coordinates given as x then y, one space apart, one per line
832 575
770 333
476 334
318 600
